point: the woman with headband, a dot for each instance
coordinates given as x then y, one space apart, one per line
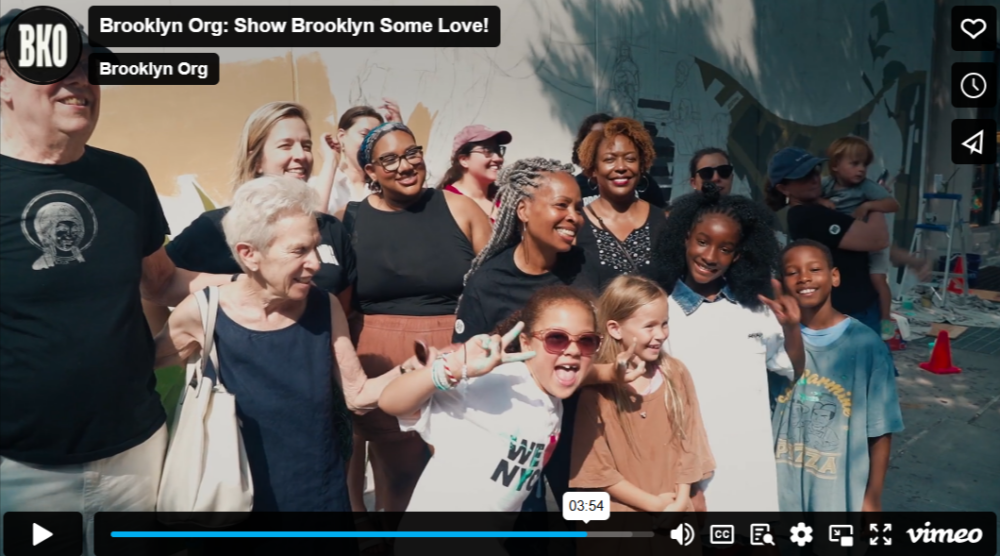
415 245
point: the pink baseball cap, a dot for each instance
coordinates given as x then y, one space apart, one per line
477 133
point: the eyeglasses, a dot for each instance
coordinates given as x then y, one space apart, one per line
489 151
724 171
390 162
557 342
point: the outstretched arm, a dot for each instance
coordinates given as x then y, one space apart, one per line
480 355
181 336
360 392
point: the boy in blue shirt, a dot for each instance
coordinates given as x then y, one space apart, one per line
833 427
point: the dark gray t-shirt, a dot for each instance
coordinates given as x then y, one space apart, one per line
822 423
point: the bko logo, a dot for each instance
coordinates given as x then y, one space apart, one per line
43 45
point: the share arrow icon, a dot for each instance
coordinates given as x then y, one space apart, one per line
975 143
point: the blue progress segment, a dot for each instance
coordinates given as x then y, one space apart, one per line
347 534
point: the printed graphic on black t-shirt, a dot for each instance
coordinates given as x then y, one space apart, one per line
76 354
63 227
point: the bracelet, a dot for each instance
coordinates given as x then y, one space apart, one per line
439 374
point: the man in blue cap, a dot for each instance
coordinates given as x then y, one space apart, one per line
81 235
794 179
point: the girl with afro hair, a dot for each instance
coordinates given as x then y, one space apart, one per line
718 254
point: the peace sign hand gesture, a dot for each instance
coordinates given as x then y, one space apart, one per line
483 353
784 306
630 366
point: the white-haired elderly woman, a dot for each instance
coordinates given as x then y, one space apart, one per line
284 349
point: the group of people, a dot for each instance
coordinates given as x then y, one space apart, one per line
469 338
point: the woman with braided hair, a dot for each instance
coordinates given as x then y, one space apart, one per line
718 255
532 247
620 229
415 246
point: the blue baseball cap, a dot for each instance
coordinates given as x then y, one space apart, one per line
792 163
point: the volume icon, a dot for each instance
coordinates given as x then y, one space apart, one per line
683 534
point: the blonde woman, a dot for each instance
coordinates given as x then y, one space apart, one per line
276 141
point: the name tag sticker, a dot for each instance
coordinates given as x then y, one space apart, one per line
326 254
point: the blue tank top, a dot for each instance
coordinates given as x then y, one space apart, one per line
295 423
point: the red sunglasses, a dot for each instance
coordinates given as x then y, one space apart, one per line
557 342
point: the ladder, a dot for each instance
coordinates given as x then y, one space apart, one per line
927 222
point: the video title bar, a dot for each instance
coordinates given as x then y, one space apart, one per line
294 26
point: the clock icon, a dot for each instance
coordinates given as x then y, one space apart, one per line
973 85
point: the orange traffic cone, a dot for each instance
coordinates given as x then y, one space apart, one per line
940 363
957 285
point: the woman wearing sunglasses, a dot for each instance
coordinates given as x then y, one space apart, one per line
711 165
415 246
493 418
619 230
476 159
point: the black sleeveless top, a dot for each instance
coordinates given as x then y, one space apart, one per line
411 262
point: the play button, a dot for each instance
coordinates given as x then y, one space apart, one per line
39 534
42 533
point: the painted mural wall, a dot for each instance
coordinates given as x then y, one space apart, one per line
751 76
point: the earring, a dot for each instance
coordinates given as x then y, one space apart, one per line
645 185
592 182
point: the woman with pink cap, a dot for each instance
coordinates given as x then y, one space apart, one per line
476 158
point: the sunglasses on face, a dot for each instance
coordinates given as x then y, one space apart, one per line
724 171
390 162
557 342
489 151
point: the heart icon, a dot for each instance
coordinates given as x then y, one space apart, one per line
974 23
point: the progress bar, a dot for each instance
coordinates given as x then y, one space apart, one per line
375 534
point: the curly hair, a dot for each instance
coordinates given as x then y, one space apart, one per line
633 129
585 128
514 184
750 274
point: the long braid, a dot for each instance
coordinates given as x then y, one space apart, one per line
515 183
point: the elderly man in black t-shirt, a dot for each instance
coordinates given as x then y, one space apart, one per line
81 235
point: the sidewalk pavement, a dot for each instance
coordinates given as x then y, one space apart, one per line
948 458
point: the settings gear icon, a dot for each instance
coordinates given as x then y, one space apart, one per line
802 534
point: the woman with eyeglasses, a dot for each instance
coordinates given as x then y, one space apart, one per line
476 158
648 190
619 228
711 165
414 246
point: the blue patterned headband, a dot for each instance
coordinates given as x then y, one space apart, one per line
368 145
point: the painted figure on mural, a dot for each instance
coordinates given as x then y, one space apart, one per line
625 82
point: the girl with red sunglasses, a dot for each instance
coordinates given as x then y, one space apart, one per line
492 417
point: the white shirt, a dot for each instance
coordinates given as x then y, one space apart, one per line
728 348
491 438
342 193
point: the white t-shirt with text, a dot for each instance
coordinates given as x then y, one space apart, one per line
491 437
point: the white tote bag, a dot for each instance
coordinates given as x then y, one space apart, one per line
206 468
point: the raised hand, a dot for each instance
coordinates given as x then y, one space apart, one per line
483 353
391 110
784 307
630 366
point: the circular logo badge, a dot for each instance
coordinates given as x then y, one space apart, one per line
43 45
459 326
834 230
